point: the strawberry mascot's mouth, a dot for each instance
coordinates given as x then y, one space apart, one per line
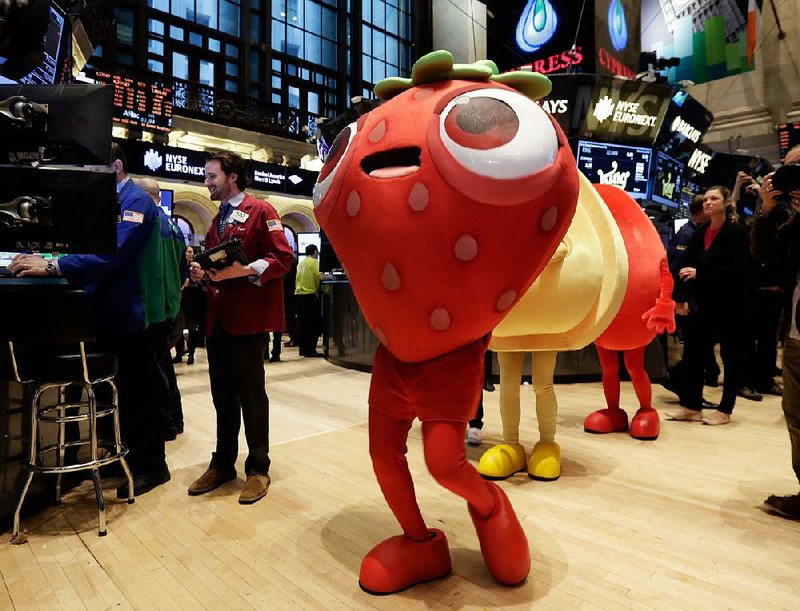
392 163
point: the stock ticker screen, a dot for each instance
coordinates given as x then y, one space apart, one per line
667 180
626 167
138 102
55 66
788 137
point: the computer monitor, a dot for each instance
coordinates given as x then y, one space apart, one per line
627 167
667 181
166 201
57 42
76 128
305 238
79 212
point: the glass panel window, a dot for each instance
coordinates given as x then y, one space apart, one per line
276 65
379 13
366 10
231 69
276 82
279 10
125 26
313 18
229 17
294 97
313 102
255 66
159 5
232 86
294 13
175 32
195 39
366 68
256 35
155 26
379 45
207 13
329 23
313 48
378 71
366 39
183 9
392 22
206 73
156 47
294 41
291 69
276 98
213 45
329 54
180 66
278 36
155 66
392 55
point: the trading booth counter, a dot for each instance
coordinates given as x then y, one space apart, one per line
349 342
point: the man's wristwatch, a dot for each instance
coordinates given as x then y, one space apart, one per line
50 268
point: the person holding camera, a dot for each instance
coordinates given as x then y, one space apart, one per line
769 233
245 303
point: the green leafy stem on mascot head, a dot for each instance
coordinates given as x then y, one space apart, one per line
440 66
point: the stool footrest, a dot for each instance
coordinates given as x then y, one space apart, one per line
92 464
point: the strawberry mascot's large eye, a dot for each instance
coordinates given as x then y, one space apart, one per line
333 161
481 123
497 133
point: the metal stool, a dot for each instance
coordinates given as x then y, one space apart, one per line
69 321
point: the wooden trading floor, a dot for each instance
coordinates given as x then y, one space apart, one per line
669 524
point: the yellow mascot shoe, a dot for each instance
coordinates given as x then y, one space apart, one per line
502 461
545 462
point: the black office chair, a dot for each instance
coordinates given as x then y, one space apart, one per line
46 334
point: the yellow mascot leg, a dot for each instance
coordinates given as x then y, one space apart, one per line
545 461
507 458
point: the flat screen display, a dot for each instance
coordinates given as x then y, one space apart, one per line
305 239
688 190
667 181
788 137
54 66
166 201
626 167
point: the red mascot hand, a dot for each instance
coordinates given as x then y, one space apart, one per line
661 317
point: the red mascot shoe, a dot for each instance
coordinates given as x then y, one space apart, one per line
645 424
606 421
399 563
503 542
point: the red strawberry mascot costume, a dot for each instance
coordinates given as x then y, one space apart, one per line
647 309
443 205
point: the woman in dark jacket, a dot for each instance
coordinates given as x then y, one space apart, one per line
714 292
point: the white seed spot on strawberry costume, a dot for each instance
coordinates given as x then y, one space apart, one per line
466 248
353 204
390 278
418 198
378 132
380 336
423 93
505 300
440 319
549 218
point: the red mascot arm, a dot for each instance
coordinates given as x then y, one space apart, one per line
661 317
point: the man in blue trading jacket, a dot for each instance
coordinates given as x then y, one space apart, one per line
127 290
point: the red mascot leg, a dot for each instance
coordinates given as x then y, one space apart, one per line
645 424
419 554
503 541
612 419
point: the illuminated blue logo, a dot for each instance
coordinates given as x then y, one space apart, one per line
617 26
536 25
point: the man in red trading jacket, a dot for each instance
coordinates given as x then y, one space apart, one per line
245 303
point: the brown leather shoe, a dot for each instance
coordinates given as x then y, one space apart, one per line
212 478
255 488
